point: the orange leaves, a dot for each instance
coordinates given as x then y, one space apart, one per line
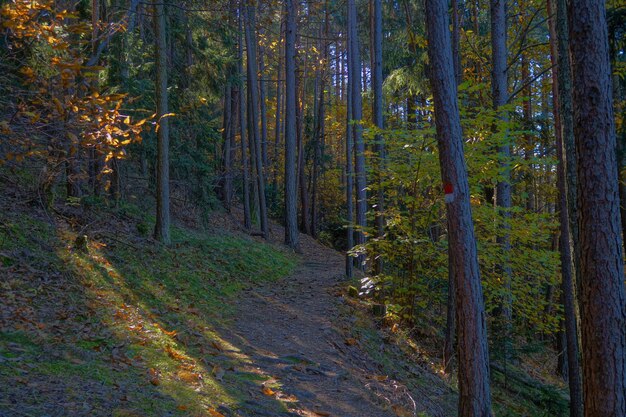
268 391
190 377
214 413
174 354
153 376
62 84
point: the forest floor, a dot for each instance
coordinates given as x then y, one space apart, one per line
326 352
219 324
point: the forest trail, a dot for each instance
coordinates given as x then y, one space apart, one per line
302 331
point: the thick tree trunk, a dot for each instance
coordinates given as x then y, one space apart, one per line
292 238
602 298
473 356
162 227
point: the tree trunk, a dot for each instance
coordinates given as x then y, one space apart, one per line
602 298
570 348
253 82
292 238
503 189
354 70
162 227
473 355
349 175
247 219
377 111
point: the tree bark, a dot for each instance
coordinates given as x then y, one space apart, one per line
570 350
354 77
377 111
602 298
503 189
247 219
253 82
162 227
292 238
473 355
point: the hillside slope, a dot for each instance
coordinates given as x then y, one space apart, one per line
97 319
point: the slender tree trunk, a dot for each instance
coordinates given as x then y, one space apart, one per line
473 355
377 87
302 180
162 227
566 114
354 69
503 191
570 348
292 238
278 129
226 154
247 219
349 175
263 95
602 298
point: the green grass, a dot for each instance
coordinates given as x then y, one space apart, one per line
144 319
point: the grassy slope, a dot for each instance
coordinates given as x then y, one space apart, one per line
129 324
134 329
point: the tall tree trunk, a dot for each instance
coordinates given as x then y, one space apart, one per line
305 223
162 227
292 238
349 176
570 347
566 113
473 355
263 104
226 182
450 329
354 70
253 91
377 87
247 218
602 298
278 129
503 189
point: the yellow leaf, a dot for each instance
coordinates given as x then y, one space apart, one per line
268 391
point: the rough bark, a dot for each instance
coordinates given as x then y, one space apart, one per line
602 298
292 238
473 356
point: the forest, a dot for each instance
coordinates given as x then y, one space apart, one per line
347 208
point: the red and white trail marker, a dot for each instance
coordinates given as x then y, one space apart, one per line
448 190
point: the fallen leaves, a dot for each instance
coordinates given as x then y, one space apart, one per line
214 413
351 341
153 376
268 391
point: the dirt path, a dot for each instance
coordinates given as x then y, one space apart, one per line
299 331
